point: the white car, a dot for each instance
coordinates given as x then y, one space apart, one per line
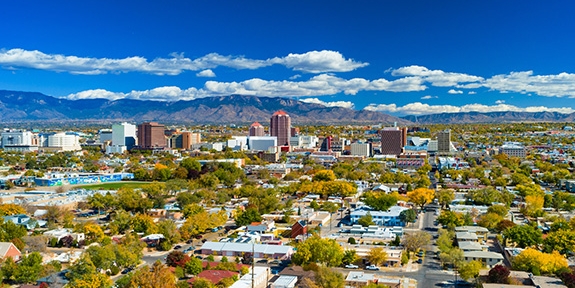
372 267
351 266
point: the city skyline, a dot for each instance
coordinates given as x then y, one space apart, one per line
398 58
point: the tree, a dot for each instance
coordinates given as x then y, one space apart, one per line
452 257
193 266
445 196
490 220
158 276
500 210
102 257
536 262
324 175
377 256
415 240
29 268
349 256
381 201
504 225
318 250
328 278
533 205
248 216
445 240
35 243
499 274
11 209
177 258
170 231
523 235
407 216
94 280
365 220
142 223
421 196
470 269
450 219
562 241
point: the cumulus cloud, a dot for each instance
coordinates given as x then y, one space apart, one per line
428 97
471 92
206 73
560 85
437 78
453 91
499 101
319 85
344 104
419 108
310 62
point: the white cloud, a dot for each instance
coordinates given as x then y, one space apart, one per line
471 92
312 62
453 91
206 73
428 97
436 77
344 104
319 62
296 76
419 108
560 85
319 85
499 101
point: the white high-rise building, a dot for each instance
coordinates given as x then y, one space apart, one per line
123 138
64 142
18 140
361 149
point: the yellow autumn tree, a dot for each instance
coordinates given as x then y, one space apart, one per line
537 262
11 209
421 196
533 205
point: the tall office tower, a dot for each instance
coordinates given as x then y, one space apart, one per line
393 140
257 129
444 141
280 126
326 144
151 135
124 134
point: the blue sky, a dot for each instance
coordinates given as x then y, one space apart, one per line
397 57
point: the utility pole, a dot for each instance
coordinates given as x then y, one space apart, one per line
253 260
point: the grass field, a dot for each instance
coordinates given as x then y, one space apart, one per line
114 185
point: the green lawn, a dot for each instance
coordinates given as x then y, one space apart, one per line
114 185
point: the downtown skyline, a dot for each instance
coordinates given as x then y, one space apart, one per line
409 58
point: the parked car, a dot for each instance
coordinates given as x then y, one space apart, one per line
372 267
351 266
127 270
419 261
177 247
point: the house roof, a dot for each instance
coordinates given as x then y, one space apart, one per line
465 235
483 255
5 246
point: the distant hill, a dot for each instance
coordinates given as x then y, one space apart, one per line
491 117
16 106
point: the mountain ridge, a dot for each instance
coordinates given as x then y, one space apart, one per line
33 106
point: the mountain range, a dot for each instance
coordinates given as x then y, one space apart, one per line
18 106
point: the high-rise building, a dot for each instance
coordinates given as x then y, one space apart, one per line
393 139
280 126
326 144
257 129
183 140
151 135
444 141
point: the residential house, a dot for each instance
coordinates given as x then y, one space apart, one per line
8 249
389 217
238 249
298 228
489 259
481 232
285 281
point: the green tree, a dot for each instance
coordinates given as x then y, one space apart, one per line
445 196
380 200
365 220
470 270
407 216
248 216
324 175
349 256
328 278
523 235
29 268
450 219
560 240
318 250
